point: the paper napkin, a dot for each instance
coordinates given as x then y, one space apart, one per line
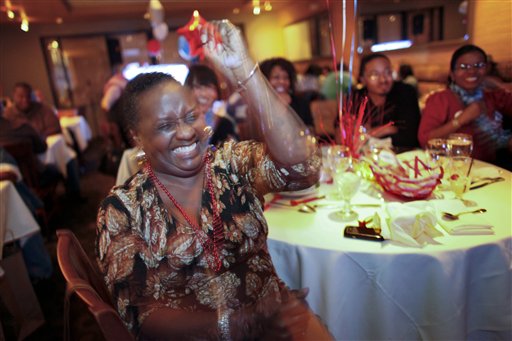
467 224
412 223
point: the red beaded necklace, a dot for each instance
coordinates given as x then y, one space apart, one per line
210 246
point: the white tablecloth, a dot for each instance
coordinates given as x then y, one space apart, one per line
58 153
16 221
454 290
128 166
80 129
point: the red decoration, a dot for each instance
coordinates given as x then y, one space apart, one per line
192 32
153 47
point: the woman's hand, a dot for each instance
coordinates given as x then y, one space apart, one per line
471 112
225 47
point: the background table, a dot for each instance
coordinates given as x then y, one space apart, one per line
456 289
58 153
16 221
79 128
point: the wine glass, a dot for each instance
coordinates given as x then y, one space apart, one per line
459 179
346 179
459 145
437 156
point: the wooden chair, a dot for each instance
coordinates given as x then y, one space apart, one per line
324 114
84 279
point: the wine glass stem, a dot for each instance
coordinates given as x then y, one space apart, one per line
347 208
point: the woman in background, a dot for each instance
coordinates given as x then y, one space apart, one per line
466 106
205 85
282 76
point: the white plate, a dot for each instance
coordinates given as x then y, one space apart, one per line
299 194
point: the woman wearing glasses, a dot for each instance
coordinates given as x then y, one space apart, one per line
466 106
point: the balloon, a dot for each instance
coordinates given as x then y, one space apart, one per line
184 49
191 32
153 47
156 12
160 31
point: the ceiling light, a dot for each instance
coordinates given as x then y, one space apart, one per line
10 14
59 20
267 6
236 10
256 10
24 21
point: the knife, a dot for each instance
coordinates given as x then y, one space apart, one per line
488 182
303 201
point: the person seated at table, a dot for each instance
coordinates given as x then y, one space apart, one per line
282 76
467 106
406 75
13 132
392 109
182 244
35 255
26 110
205 85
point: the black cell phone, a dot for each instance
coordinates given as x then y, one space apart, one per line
359 232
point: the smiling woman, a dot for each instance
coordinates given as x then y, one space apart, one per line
182 243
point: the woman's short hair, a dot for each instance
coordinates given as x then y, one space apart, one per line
464 50
267 65
202 75
368 58
138 86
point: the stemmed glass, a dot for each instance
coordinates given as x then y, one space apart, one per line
346 180
459 178
437 156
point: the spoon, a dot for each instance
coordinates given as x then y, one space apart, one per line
451 216
305 208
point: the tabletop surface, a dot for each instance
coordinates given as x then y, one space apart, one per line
323 230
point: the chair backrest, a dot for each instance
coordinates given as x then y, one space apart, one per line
324 114
24 155
84 279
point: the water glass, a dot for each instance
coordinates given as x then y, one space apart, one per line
458 177
459 145
437 156
346 179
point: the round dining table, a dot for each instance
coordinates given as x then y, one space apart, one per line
456 287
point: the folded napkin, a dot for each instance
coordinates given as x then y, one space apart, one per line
486 171
467 224
412 223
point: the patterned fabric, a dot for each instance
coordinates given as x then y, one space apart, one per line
490 127
151 259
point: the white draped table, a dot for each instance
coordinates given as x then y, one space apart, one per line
16 221
58 153
80 128
456 289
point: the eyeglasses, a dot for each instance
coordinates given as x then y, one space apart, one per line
467 67
373 76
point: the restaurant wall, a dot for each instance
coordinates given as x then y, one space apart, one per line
490 27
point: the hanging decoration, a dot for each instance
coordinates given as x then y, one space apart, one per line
191 33
153 47
156 18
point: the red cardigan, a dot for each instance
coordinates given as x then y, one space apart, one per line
442 106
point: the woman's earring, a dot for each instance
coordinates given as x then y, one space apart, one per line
140 156
208 131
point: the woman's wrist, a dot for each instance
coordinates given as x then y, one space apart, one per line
224 325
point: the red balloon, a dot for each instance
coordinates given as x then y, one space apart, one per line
191 32
153 47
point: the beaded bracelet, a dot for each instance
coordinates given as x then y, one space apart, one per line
223 325
241 84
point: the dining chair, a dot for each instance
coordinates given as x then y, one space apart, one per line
84 279
324 114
